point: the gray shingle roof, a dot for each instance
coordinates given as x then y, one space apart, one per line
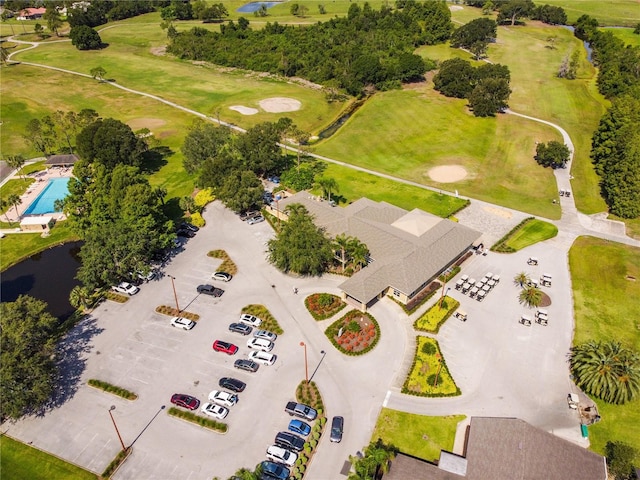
407 248
67 159
404 467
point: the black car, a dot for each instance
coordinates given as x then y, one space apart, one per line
232 384
337 426
250 214
245 364
210 290
183 232
273 470
289 441
188 226
241 328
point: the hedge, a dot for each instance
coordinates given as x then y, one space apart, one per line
172 312
454 271
116 297
115 463
107 387
420 299
198 420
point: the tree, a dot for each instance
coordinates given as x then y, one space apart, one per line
376 461
479 49
16 162
98 73
27 358
637 29
14 200
479 30
203 141
241 191
553 154
110 142
328 185
322 10
489 97
36 135
80 297
342 243
359 253
38 30
454 78
4 207
530 297
294 9
606 370
488 7
550 14
513 10
300 246
53 19
620 459
187 204
521 279
85 38
585 27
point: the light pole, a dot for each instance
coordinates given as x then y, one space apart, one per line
175 295
306 368
113 407
435 382
278 197
443 295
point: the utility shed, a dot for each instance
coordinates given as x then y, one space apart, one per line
37 224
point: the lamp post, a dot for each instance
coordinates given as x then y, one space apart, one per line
175 295
435 382
306 367
278 197
113 407
443 295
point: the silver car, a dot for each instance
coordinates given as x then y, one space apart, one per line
266 334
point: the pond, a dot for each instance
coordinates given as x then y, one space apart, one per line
48 276
255 6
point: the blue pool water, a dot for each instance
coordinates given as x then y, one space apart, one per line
255 6
56 189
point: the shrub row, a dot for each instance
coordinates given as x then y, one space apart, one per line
115 463
454 271
107 387
268 321
450 304
309 394
420 299
116 297
464 205
444 368
332 331
501 245
316 309
198 420
227 264
172 312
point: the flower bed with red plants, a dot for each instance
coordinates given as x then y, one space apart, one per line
355 333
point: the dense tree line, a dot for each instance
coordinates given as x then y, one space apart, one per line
512 11
615 146
100 12
486 87
367 48
56 133
112 207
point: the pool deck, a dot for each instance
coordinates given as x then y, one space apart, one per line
41 180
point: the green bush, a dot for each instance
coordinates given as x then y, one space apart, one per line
107 387
323 305
428 348
268 321
353 326
198 420
454 271
115 463
325 299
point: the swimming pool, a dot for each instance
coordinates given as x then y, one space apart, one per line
56 189
255 6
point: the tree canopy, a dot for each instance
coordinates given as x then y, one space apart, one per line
300 246
553 154
478 30
85 38
513 10
27 358
110 142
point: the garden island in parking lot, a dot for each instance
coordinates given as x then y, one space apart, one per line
297 202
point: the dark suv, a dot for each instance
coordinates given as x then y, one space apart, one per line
289 441
210 290
232 384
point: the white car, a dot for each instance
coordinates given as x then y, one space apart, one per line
250 320
223 398
279 454
264 358
222 276
214 410
266 334
182 323
127 288
260 344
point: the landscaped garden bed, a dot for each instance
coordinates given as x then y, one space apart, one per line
115 297
115 463
420 299
227 264
448 275
309 394
214 425
355 333
323 305
429 375
172 312
432 319
107 387
527 232
268 321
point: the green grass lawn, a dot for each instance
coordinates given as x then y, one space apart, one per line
417 435
612 12
626 34
354 185
606 308
20 462
533 231
15 186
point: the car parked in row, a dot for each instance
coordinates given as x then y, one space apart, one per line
299 427
254 220
188 226
241 328
271 470
260 344
223 398
246 365
250 320
222 276
184 233
210 290
182 323
232 384
281 455
215 411
125 287
263 358
244 216
337 427
225 347
184 400
267 335
289 441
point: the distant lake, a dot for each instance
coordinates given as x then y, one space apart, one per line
255 6
48 276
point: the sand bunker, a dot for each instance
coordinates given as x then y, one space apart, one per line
244 110
150 123
447 173
454 8
280 104
498 212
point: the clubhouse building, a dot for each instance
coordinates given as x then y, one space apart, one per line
408 250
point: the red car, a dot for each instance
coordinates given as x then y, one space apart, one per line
186 401
228 348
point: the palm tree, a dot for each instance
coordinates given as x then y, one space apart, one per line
521 279
245 474
14 200
4 206
328 185
531 297
343 243
160 193
16 162
359 253
606 370
79 297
